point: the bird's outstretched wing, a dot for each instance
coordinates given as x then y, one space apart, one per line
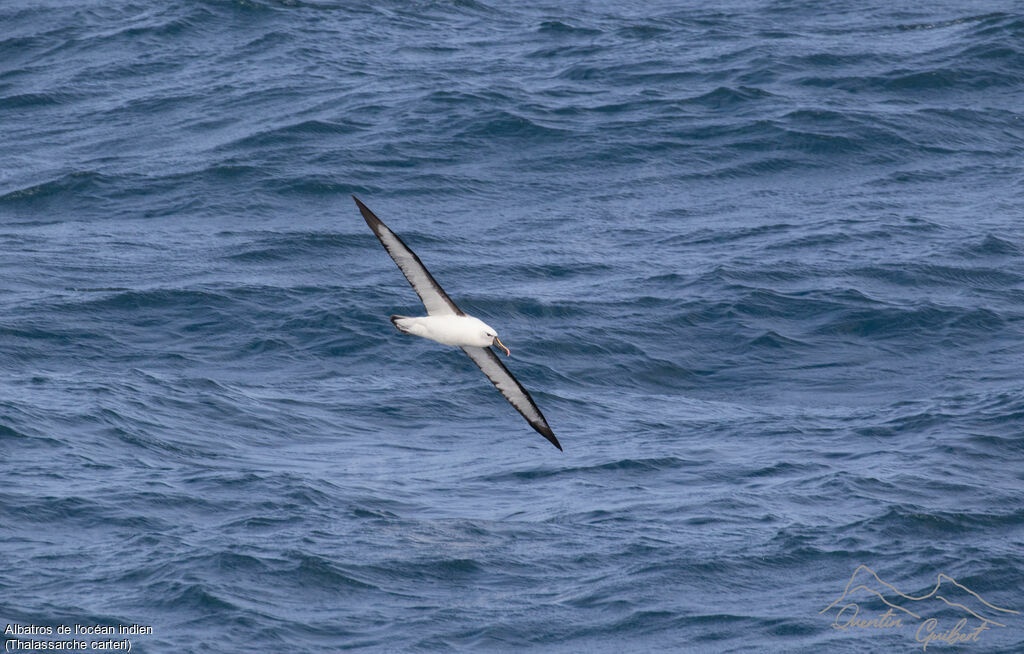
510 387
434 298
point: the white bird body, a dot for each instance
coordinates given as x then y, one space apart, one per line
461 331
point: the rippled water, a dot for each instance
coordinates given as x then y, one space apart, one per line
760 265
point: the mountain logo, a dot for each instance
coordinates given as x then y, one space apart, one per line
950 613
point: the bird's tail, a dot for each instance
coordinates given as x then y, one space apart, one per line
402 323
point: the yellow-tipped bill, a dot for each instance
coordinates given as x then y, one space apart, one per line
508 352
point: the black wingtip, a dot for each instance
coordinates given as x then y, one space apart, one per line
550 435
370 217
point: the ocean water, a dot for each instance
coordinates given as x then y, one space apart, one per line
761 264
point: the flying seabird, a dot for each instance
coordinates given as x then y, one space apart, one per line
447 324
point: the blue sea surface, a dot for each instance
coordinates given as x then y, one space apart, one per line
760 264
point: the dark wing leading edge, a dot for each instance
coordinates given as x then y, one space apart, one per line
510 387
434 298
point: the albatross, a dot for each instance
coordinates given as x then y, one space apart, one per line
449 325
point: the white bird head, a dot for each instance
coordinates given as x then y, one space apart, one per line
489 336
